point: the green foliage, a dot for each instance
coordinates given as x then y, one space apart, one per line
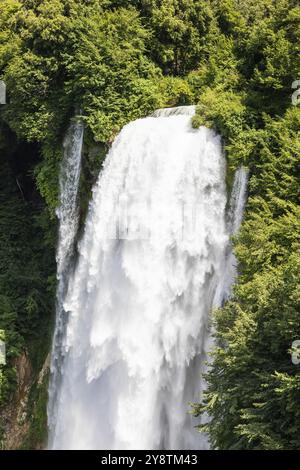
113 61
253 386
26 260
179 31
223 110
37 410
59 57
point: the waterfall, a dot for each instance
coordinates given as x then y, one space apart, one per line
67 214
235 217
165 112
238 199
152 264
228 272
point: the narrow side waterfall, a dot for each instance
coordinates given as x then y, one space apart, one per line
67 214
228 272
152 264
234 220
238 199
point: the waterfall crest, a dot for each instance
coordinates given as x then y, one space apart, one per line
166 112
67 214
151 263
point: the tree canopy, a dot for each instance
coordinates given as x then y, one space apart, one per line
109 62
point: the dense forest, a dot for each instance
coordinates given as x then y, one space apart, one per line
112 62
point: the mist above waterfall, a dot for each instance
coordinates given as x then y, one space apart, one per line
151 268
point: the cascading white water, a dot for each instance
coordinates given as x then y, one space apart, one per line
235 217
228 272
151 267
165 112
238 199
67 214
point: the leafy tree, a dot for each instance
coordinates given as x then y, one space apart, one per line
112 61
253 387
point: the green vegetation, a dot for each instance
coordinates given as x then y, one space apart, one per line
253 386
37 411
115 61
